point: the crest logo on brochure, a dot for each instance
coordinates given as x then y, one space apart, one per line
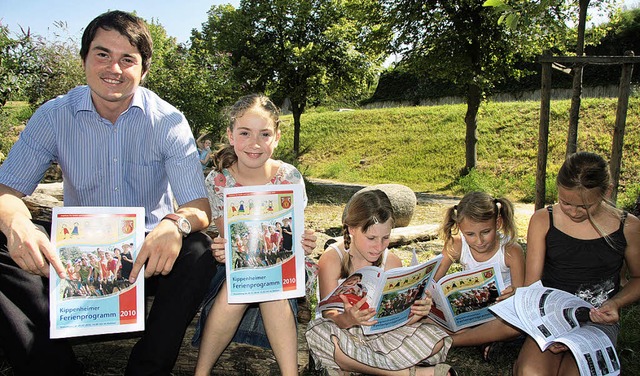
285 202
127 226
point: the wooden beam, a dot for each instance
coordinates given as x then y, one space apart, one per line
584 60
543 135
618 131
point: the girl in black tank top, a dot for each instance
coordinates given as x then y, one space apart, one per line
579 245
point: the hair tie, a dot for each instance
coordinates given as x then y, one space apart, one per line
498 205
455 210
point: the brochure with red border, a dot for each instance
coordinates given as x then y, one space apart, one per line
391 293
256 219
94 243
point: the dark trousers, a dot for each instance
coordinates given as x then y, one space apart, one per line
24 315
24 322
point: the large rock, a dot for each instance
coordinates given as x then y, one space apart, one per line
403 200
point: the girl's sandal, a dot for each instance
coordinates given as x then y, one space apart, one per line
443 369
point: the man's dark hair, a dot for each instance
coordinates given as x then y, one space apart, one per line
130 26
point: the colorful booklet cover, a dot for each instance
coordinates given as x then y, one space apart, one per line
391 292
263 226
462 299
97 246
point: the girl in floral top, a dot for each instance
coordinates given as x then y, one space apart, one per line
253 135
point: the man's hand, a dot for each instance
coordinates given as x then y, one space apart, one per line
31 249
159 251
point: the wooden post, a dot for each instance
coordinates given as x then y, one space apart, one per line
543 134
621 119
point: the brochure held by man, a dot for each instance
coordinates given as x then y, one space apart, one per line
550 315
462 299
95 244
259 267
391 292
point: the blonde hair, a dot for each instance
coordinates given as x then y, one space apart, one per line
364 210
479 207
226 156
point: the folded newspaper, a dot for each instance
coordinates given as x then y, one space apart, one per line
550 315
391 293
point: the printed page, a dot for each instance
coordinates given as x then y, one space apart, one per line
97 246
593 351
258 266
402 287
547 313
506 310
465 297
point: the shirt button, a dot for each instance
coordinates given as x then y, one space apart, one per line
115 189
115 160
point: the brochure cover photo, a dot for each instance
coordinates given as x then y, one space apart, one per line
462 299
97 246
263 228
391 292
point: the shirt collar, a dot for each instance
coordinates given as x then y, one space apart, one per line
86 103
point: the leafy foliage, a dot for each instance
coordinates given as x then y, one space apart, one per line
16 64
299 50
196 82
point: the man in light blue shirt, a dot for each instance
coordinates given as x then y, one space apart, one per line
118 144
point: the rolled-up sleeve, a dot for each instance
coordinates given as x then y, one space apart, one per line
182 162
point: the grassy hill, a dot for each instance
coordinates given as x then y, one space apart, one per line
423 147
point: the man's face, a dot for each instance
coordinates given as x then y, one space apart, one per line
113 68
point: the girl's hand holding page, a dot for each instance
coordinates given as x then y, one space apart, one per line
217 249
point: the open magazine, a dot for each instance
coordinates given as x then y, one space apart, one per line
462 299
97 246
391 292
550 315
263 226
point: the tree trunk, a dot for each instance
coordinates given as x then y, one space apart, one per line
474 98
296 110
574 114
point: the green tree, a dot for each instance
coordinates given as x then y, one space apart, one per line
516 12
460 41
16 63
196 82
57 66
300 50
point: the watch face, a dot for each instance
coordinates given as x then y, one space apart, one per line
184 226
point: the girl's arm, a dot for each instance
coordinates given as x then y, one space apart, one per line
393 261
449 256
609 312
536 247
514 259
328 276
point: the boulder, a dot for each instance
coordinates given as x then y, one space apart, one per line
403 200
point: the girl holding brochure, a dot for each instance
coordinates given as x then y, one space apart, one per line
579 245
336 340
485 233
253 134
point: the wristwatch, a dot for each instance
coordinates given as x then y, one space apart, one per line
184 227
